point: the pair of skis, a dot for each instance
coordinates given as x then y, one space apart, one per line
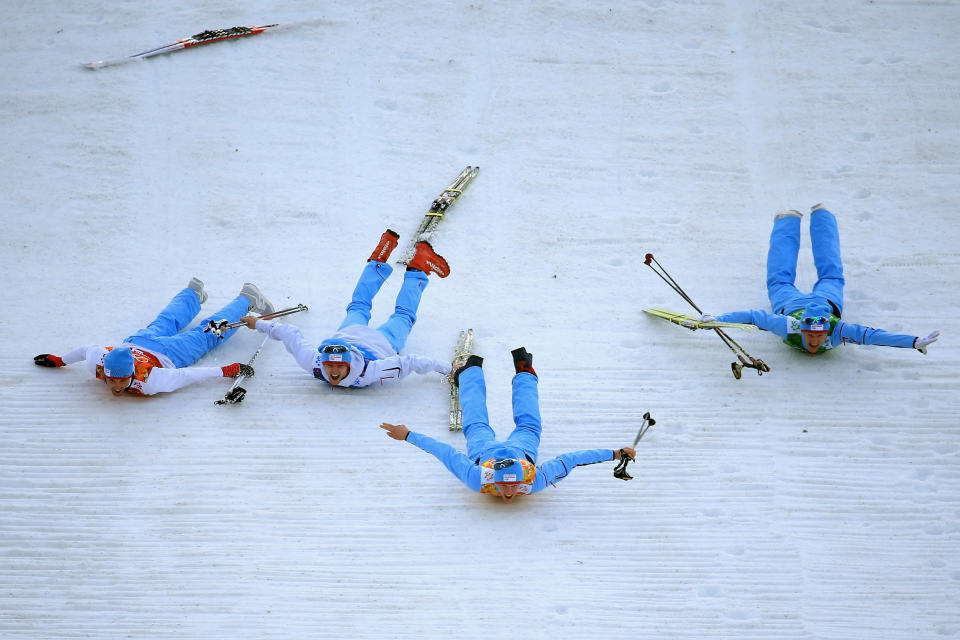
744 359
438 210
461 351
204 37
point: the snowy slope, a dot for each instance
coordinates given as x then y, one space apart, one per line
818 501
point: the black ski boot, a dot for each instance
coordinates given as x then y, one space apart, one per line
472 361
522 361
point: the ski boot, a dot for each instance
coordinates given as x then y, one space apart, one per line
790 213
429 261
472 361
388 242
197 285
522 361
258 302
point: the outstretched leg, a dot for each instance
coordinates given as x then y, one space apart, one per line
372 277
473 401
188 347
526 415
782 260
397 327
825 238
178 313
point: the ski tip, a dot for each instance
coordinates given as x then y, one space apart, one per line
100 64
648 258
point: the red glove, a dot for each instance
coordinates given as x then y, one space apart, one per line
48 360
237 369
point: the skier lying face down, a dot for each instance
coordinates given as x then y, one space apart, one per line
157 359
506 469
358 355
336 371
811 321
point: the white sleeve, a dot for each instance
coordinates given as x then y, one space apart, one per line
396 368
92 353
302 351
162 380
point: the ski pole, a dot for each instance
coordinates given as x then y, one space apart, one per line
236 393
620 471
219 326
746 360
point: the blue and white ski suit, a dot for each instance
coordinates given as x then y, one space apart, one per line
373 355
174 349
786 300
523 442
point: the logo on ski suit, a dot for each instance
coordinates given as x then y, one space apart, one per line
143 364
487 485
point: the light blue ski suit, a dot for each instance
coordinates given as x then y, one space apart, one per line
786 300
523 442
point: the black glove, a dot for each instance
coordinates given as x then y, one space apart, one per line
620 471
48 360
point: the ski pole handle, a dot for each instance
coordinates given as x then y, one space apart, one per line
620 471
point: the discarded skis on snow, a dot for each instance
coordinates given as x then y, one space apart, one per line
462 351
204 37
438 209
219 326
235 394
689 322
745 359
620 471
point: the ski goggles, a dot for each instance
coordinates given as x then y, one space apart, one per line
335 353
504 464
814 320
334 348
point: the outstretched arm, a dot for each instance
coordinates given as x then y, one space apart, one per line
302 351
396 368
558 468
162 380
859 334
92 354
458 464
771 322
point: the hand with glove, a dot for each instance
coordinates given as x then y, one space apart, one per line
920 344
706 317
236 369
48 360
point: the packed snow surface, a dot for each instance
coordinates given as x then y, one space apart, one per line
820 500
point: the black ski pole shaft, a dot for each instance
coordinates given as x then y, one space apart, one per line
666 277
746 360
